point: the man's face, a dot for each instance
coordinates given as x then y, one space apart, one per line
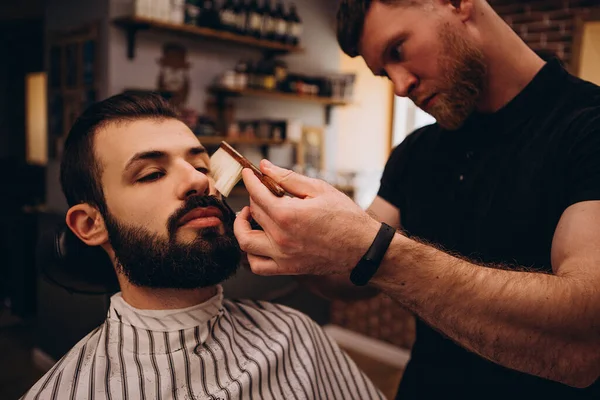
166 223
429 56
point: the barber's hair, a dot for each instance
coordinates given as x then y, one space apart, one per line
351 18
80 170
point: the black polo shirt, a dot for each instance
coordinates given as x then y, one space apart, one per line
494 191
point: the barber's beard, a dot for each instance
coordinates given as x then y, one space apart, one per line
149 260
464 67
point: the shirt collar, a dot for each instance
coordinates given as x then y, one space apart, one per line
165 320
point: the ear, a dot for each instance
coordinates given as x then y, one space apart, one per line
87 224
464 9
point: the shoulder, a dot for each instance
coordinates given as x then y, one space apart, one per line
273 322
62 375
271 317
422 137
580 104
576 119
403 157
584 91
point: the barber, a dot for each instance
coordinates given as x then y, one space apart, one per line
486 225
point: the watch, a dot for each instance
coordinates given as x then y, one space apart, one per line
369 263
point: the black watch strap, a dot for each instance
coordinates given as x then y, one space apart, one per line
369 263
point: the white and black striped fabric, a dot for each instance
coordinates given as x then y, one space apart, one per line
218 350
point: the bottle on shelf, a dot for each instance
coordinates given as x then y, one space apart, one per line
227 17
163 11
269 80
177 11
241 75
241 15
254 19
268 21
192 12
142 8
209 17
153 9
251 71
294 26
280 69
259 77
280 23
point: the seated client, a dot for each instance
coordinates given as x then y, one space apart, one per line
138 185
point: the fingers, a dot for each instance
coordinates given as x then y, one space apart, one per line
298 185
258 192
262 218
262 265
266 266
242 221
251 241
256 245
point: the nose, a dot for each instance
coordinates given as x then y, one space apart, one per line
404 82
193 183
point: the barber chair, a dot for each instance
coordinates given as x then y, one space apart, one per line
75 283
74 266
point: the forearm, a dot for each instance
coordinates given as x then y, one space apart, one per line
542 324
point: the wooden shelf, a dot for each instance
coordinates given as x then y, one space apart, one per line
216 140
327 101
132 24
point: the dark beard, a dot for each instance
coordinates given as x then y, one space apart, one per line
148 260
465 65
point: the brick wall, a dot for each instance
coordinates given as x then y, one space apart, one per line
544 25
379 317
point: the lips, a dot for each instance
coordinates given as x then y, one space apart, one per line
424 105
201 212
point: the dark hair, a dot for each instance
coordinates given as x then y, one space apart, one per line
351 18
80 170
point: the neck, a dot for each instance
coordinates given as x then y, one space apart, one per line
163 299
511 64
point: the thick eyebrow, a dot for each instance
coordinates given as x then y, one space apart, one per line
159 155
145 155
194 151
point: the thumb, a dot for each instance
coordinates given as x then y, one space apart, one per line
297 185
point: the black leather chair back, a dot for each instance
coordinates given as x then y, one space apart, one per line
71 264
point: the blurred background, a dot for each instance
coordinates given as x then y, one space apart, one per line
268 77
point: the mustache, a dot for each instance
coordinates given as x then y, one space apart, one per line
194 202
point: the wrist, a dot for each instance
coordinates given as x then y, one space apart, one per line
361 243
392 261
370 262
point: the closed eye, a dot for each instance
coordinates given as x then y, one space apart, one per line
203 170
154 176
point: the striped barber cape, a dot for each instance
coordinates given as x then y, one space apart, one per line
218 350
